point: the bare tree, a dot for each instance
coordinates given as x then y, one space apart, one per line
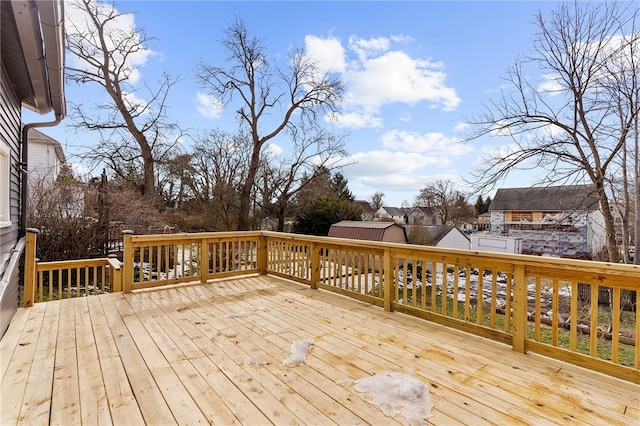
283 180
299 94
216 169
377 200
636 194
105 49
566 123
438 198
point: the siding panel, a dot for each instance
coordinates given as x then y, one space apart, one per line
10 125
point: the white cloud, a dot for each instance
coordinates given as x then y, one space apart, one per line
460 127
133 103
357 120
433 143
364 49
385 163
209 106
376 75
273 149
396 77
328 52
405 117
550 84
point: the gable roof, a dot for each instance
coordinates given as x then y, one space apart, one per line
551 198
395 211
438 232
360 230
364 204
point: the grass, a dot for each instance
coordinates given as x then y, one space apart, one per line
626 353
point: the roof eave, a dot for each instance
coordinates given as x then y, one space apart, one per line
41 33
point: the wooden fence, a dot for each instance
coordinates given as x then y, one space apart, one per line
582 312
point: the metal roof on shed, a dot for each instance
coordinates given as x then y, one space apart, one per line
361 230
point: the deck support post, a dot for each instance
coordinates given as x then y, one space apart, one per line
519 309
30 261
388 284
127 255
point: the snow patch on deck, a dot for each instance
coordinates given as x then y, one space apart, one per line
244 314
396 393
298 353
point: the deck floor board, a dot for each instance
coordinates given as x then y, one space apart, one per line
213 353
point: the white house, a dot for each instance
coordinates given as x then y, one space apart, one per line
45 158
448 236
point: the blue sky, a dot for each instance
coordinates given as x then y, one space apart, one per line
415 72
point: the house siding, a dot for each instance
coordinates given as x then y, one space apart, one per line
454 239
43 162
10 127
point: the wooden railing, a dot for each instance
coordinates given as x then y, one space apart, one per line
46 281
582 312
154 260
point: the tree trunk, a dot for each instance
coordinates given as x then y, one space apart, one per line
611 241
247 188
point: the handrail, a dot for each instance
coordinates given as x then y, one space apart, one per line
582 312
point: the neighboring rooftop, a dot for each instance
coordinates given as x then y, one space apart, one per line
551 198
437 232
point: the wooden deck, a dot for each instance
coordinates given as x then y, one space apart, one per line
214 353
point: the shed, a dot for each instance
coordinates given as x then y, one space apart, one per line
370 231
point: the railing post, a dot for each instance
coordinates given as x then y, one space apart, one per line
203 260
29 294
262 255
520 311
127 257
315 265
388 284
115 274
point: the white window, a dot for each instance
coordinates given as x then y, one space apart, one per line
5 184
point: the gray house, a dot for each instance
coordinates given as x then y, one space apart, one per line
31 76
555 221
398 214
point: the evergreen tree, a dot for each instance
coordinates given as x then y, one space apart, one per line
318 216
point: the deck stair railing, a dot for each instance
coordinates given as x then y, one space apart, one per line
555 307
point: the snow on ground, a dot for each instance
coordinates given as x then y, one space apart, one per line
397 393
298 353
